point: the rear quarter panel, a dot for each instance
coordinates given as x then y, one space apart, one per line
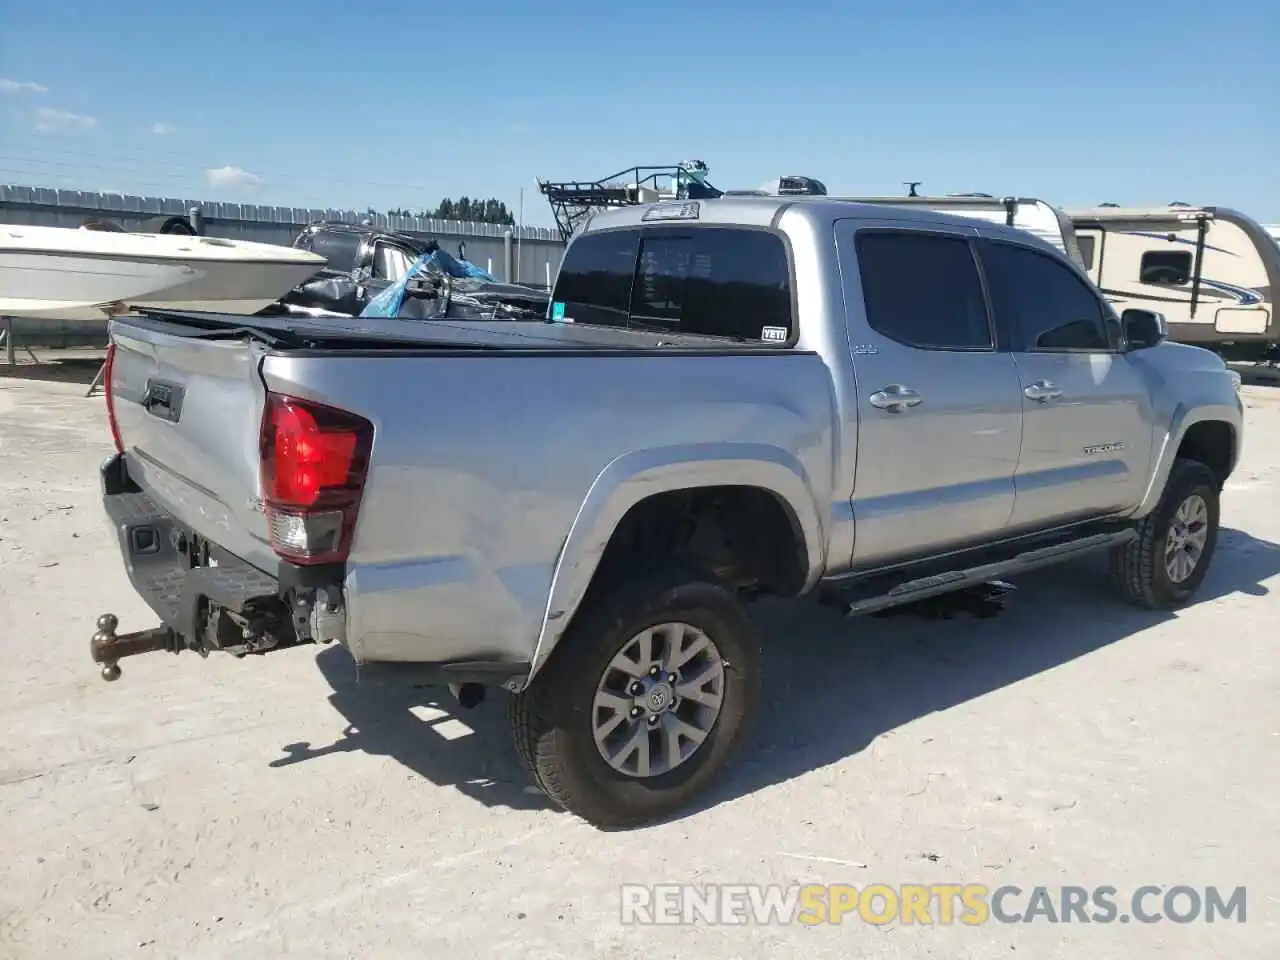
484 465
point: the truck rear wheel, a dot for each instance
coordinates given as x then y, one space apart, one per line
644 701
1170 558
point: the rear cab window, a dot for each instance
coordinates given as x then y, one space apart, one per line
730 282
594 283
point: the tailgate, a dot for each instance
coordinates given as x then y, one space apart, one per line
189 413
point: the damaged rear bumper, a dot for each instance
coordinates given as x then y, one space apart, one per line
205 598
208 600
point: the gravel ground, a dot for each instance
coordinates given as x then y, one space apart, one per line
271 807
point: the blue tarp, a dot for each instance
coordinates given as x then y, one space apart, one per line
457 267
388 302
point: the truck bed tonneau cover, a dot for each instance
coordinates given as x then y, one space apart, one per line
530 335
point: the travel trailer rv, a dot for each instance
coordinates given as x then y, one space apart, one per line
1213 272
1034 216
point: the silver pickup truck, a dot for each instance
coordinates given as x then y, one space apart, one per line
728 398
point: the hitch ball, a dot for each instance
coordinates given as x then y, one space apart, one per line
106 634
108 649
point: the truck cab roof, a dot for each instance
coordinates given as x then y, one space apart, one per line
421 245
816 211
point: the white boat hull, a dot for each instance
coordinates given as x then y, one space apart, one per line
40 281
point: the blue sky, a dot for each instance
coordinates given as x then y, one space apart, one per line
320 103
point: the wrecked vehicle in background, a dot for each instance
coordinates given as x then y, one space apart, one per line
364 262
438 286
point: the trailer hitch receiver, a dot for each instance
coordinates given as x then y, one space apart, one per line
108 649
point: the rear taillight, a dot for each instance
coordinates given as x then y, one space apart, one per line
112 422
314 463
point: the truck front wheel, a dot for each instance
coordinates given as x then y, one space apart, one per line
1165 565
644 701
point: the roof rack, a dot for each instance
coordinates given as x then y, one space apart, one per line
573 201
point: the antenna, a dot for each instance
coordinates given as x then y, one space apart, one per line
911 187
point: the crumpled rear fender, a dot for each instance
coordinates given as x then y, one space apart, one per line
636 476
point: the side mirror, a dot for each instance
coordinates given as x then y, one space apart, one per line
1143 328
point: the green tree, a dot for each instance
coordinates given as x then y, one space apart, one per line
464 208
475 211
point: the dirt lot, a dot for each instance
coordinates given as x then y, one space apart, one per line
271 807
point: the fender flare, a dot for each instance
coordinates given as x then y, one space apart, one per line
1184 418
633 477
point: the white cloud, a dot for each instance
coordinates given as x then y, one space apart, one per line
21 86
49 120
229 176
160 129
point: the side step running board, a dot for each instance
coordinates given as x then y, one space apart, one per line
932 586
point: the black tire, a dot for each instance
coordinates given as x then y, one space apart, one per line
170 224
1138 568
551 721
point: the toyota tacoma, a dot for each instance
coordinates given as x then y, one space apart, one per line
727 398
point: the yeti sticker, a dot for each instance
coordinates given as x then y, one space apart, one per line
774 334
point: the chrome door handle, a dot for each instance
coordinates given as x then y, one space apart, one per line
1043 391
896 398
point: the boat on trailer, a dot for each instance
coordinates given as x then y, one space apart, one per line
59 273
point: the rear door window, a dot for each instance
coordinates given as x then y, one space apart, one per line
923 290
